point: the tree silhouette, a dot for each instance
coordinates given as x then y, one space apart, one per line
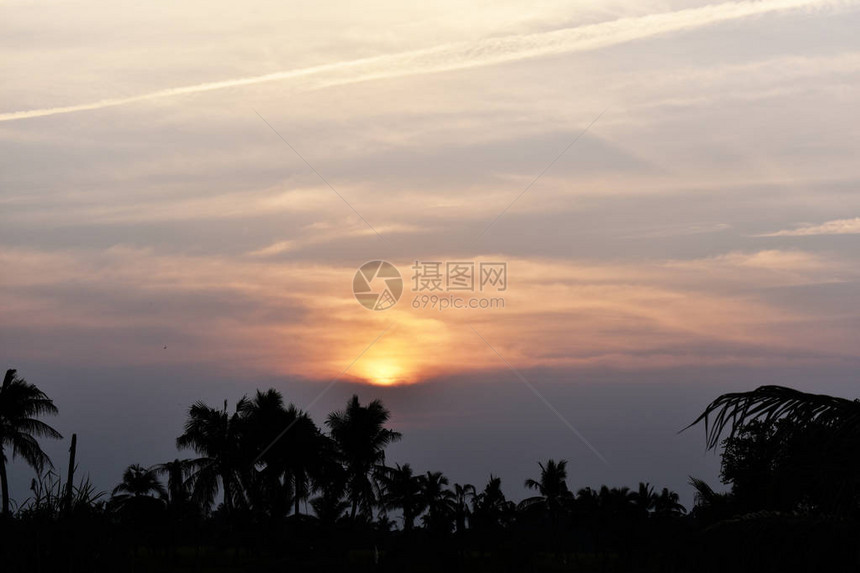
811 442
402 489
140 494
216 436
21 403
668 504
439 501
643 499
554 496
138 481
710 505
770 403
490 508
177 473
361 438
289 443
463 495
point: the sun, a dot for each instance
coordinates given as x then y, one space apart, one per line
383 373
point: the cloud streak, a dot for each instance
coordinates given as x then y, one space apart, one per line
837 227
486 52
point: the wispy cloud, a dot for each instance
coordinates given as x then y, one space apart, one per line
836 227
486 52
325 233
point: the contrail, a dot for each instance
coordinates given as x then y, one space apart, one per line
485 52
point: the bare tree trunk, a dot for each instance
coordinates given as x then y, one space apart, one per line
4 484
71 479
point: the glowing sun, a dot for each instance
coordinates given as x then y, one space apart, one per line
382 372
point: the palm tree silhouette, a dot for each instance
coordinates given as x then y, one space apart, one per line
814 437
140 495
216 436
439 501
644 499
668 503
554 495
770 403
490 508
330 506
361 438
294 457
401 489
177 474
463 494
138 481
21 403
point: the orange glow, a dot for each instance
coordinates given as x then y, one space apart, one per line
382 373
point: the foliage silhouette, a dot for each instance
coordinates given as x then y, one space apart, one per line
361 437
793 503
21 404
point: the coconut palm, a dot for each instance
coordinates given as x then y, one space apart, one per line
216 436
21 404
644 499
554 495
177 473
616 501
439 501
138 481
490 508
361 437
731 412
401 489
668 503
290 446
815 438
463 494
330 505
140 493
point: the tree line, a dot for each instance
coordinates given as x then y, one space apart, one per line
263 477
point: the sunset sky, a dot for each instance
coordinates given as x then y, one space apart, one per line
187 189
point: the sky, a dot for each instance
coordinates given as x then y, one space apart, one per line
187 191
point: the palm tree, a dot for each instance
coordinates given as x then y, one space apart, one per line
177 474
140 494
708 504
616 501
439 501
816 437
138 481
330 505
644 499
401 489
490 508
771 403
216 436
554 495
290 444
668 503
463 494
21 403
361 438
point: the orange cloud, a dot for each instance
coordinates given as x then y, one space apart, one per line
300 319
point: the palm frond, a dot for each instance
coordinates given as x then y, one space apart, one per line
770 403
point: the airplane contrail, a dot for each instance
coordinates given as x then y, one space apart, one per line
485 52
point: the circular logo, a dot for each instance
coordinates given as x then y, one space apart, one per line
377 285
